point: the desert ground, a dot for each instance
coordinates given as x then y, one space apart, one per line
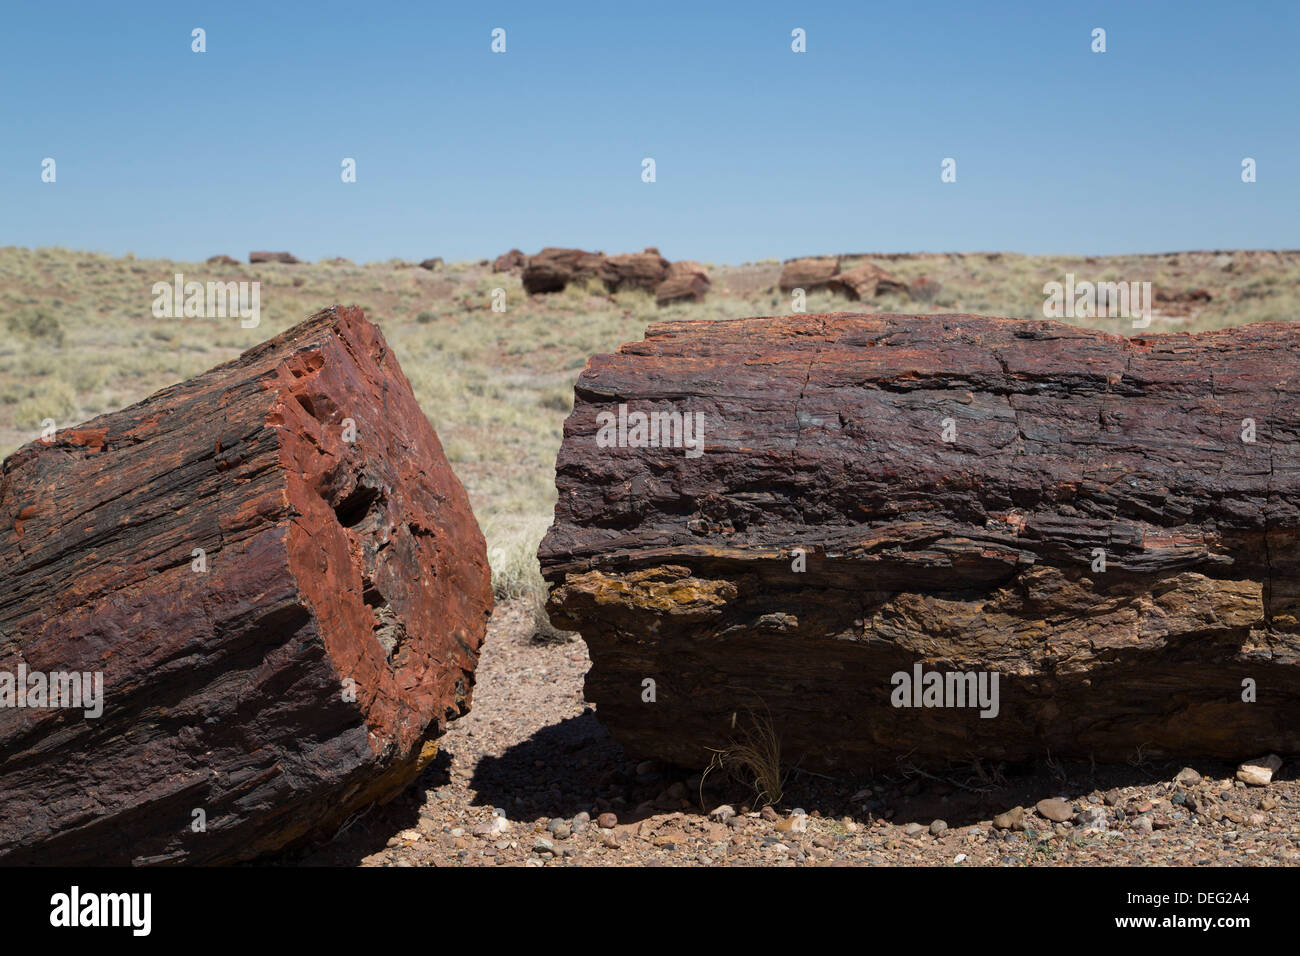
530 777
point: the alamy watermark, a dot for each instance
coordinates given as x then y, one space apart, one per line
73 690
672 429
922 688
1100 300
215 300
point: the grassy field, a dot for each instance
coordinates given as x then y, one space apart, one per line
80 339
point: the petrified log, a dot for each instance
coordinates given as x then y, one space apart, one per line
866 280
686 287
1108 526
638 270
282 257
809 274
281 585
552 269
512 261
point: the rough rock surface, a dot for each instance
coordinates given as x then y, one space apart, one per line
328 556
824 435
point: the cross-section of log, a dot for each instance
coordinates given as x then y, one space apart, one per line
934 539
275 578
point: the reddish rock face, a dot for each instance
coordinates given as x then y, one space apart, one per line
294 670
1110 526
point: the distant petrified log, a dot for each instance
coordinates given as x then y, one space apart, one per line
431 264
638 270
809 274
866 280
686 287
284 257
820 517
512 261
222 260
552 269
281 585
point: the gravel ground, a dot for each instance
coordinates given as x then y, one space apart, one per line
531 778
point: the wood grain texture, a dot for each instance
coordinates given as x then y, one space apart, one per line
327 560
826 433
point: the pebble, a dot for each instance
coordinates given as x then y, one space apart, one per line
723 813
560 829
607 821
1141 824
1187 777
913 829
1094 818
543 845
1054 809
938 828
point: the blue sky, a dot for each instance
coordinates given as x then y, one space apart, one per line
760 152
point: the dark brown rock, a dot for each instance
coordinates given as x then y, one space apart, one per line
825 435
552 269
431 264
638 270
328 565
512 261
222 261
687 287
284 257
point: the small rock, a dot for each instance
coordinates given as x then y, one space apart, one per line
1112 798
1094 818
1054 809
1013 819
1141 824
913 829
1259 772
607 821
543 845
560 829
767 813
1187 777
723 813
938 828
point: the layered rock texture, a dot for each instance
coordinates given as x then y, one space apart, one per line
828 510
280 583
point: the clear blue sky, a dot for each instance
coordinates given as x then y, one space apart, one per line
760 152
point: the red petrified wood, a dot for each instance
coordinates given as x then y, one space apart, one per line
1109 526
281 583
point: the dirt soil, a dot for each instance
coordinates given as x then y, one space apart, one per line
531 778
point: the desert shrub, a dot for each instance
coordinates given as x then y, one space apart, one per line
36 325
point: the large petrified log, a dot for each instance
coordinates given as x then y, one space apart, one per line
278 580
1108 526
